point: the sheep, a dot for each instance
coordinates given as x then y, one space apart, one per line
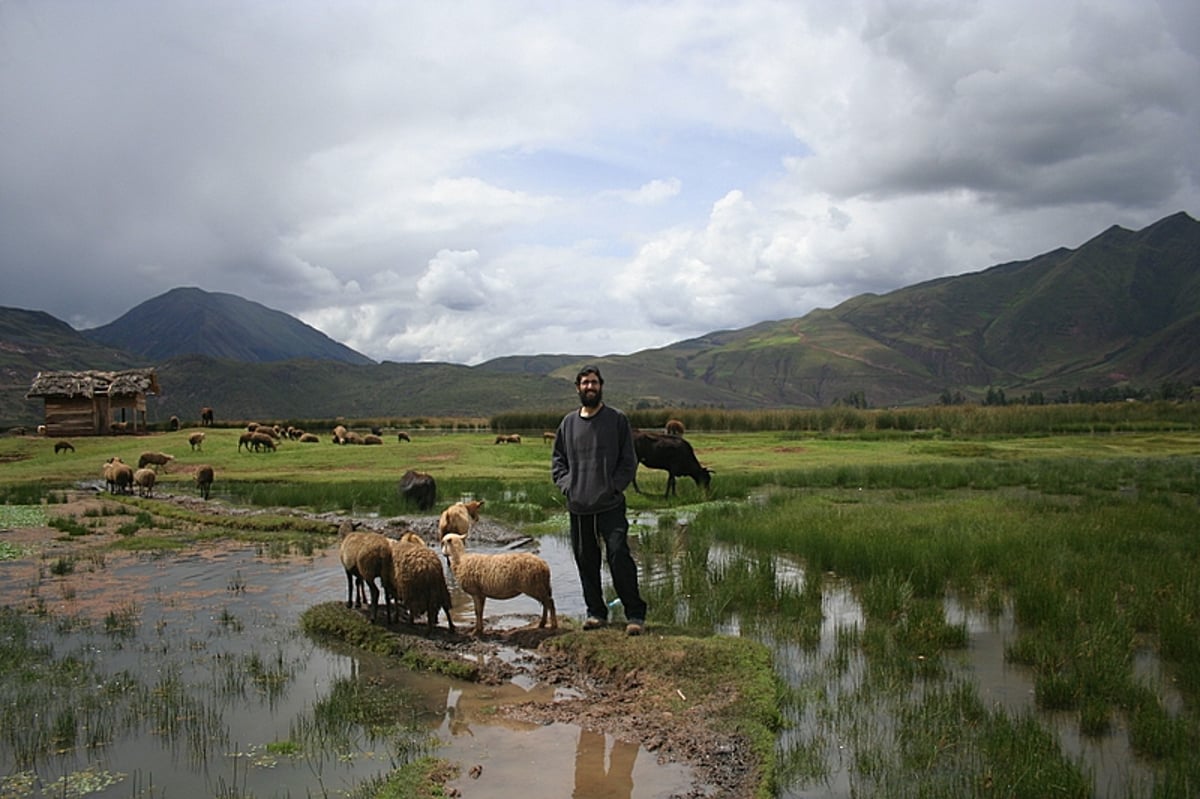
63 446
119 476
367 556
246 440
339 434
156 458
206 417
108 472
204 480
41 429
351 437
371 439
403 436
500 576
144 479
459 517
548 436
261 441
418 488
308 438
419 581
197 441
174 423
674 427
508 439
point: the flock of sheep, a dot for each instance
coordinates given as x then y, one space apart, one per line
410 574
121 478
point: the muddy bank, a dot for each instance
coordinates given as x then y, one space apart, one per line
632 704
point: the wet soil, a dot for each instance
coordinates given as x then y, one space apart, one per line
631 706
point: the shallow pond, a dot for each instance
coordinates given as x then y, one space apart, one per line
215 639
242 700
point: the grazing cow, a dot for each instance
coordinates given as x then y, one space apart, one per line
672 454
674 427
419 489
206 417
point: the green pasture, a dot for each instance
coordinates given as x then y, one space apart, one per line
1087 538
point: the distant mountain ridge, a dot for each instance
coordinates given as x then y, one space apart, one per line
1122 309
191 321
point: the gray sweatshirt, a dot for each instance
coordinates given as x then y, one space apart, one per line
594 460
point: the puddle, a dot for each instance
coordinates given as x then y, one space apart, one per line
203 619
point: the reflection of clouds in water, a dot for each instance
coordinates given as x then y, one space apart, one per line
592 779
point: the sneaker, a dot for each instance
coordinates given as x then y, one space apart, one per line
635 627
593 623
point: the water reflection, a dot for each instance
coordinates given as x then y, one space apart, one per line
596 780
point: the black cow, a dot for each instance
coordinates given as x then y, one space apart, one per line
418 488
672 454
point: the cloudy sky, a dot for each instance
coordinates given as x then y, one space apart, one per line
459 181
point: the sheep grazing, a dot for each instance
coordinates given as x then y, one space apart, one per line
514 438
119 476
262 441
500 576
548 436
674 427
155 458
204 480
144 480
206 417
367 557
459 518
196 440
418 488
419 580
403 436
63 446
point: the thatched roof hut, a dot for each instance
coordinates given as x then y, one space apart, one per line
93 402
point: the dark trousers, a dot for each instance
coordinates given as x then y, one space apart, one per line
606 535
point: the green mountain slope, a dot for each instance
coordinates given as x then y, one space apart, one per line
1124 308
186 321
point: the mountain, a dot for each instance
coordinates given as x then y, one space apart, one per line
1121 310
190 321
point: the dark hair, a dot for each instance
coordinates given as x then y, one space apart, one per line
589 370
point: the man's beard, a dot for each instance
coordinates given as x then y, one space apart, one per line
590 397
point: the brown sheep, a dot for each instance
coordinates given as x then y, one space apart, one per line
500 576
674 427
508 439
63 446
371 439
144 480
308 438
403 436
109 472
548 436
459 517
120 477
196 440
367 557
206 417
246 440
155 458
261 441
339 434
174 422
419 580
418 488
204 480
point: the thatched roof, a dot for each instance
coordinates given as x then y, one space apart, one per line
128 383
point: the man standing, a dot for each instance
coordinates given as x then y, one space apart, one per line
593 462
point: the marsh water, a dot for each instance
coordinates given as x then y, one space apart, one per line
214 639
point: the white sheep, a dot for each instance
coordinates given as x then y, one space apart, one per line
367 557
144 480
196 440
419 580
459 518
500 576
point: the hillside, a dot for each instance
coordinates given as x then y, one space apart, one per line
190 321
1122 309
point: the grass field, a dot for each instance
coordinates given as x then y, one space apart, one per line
1088 538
